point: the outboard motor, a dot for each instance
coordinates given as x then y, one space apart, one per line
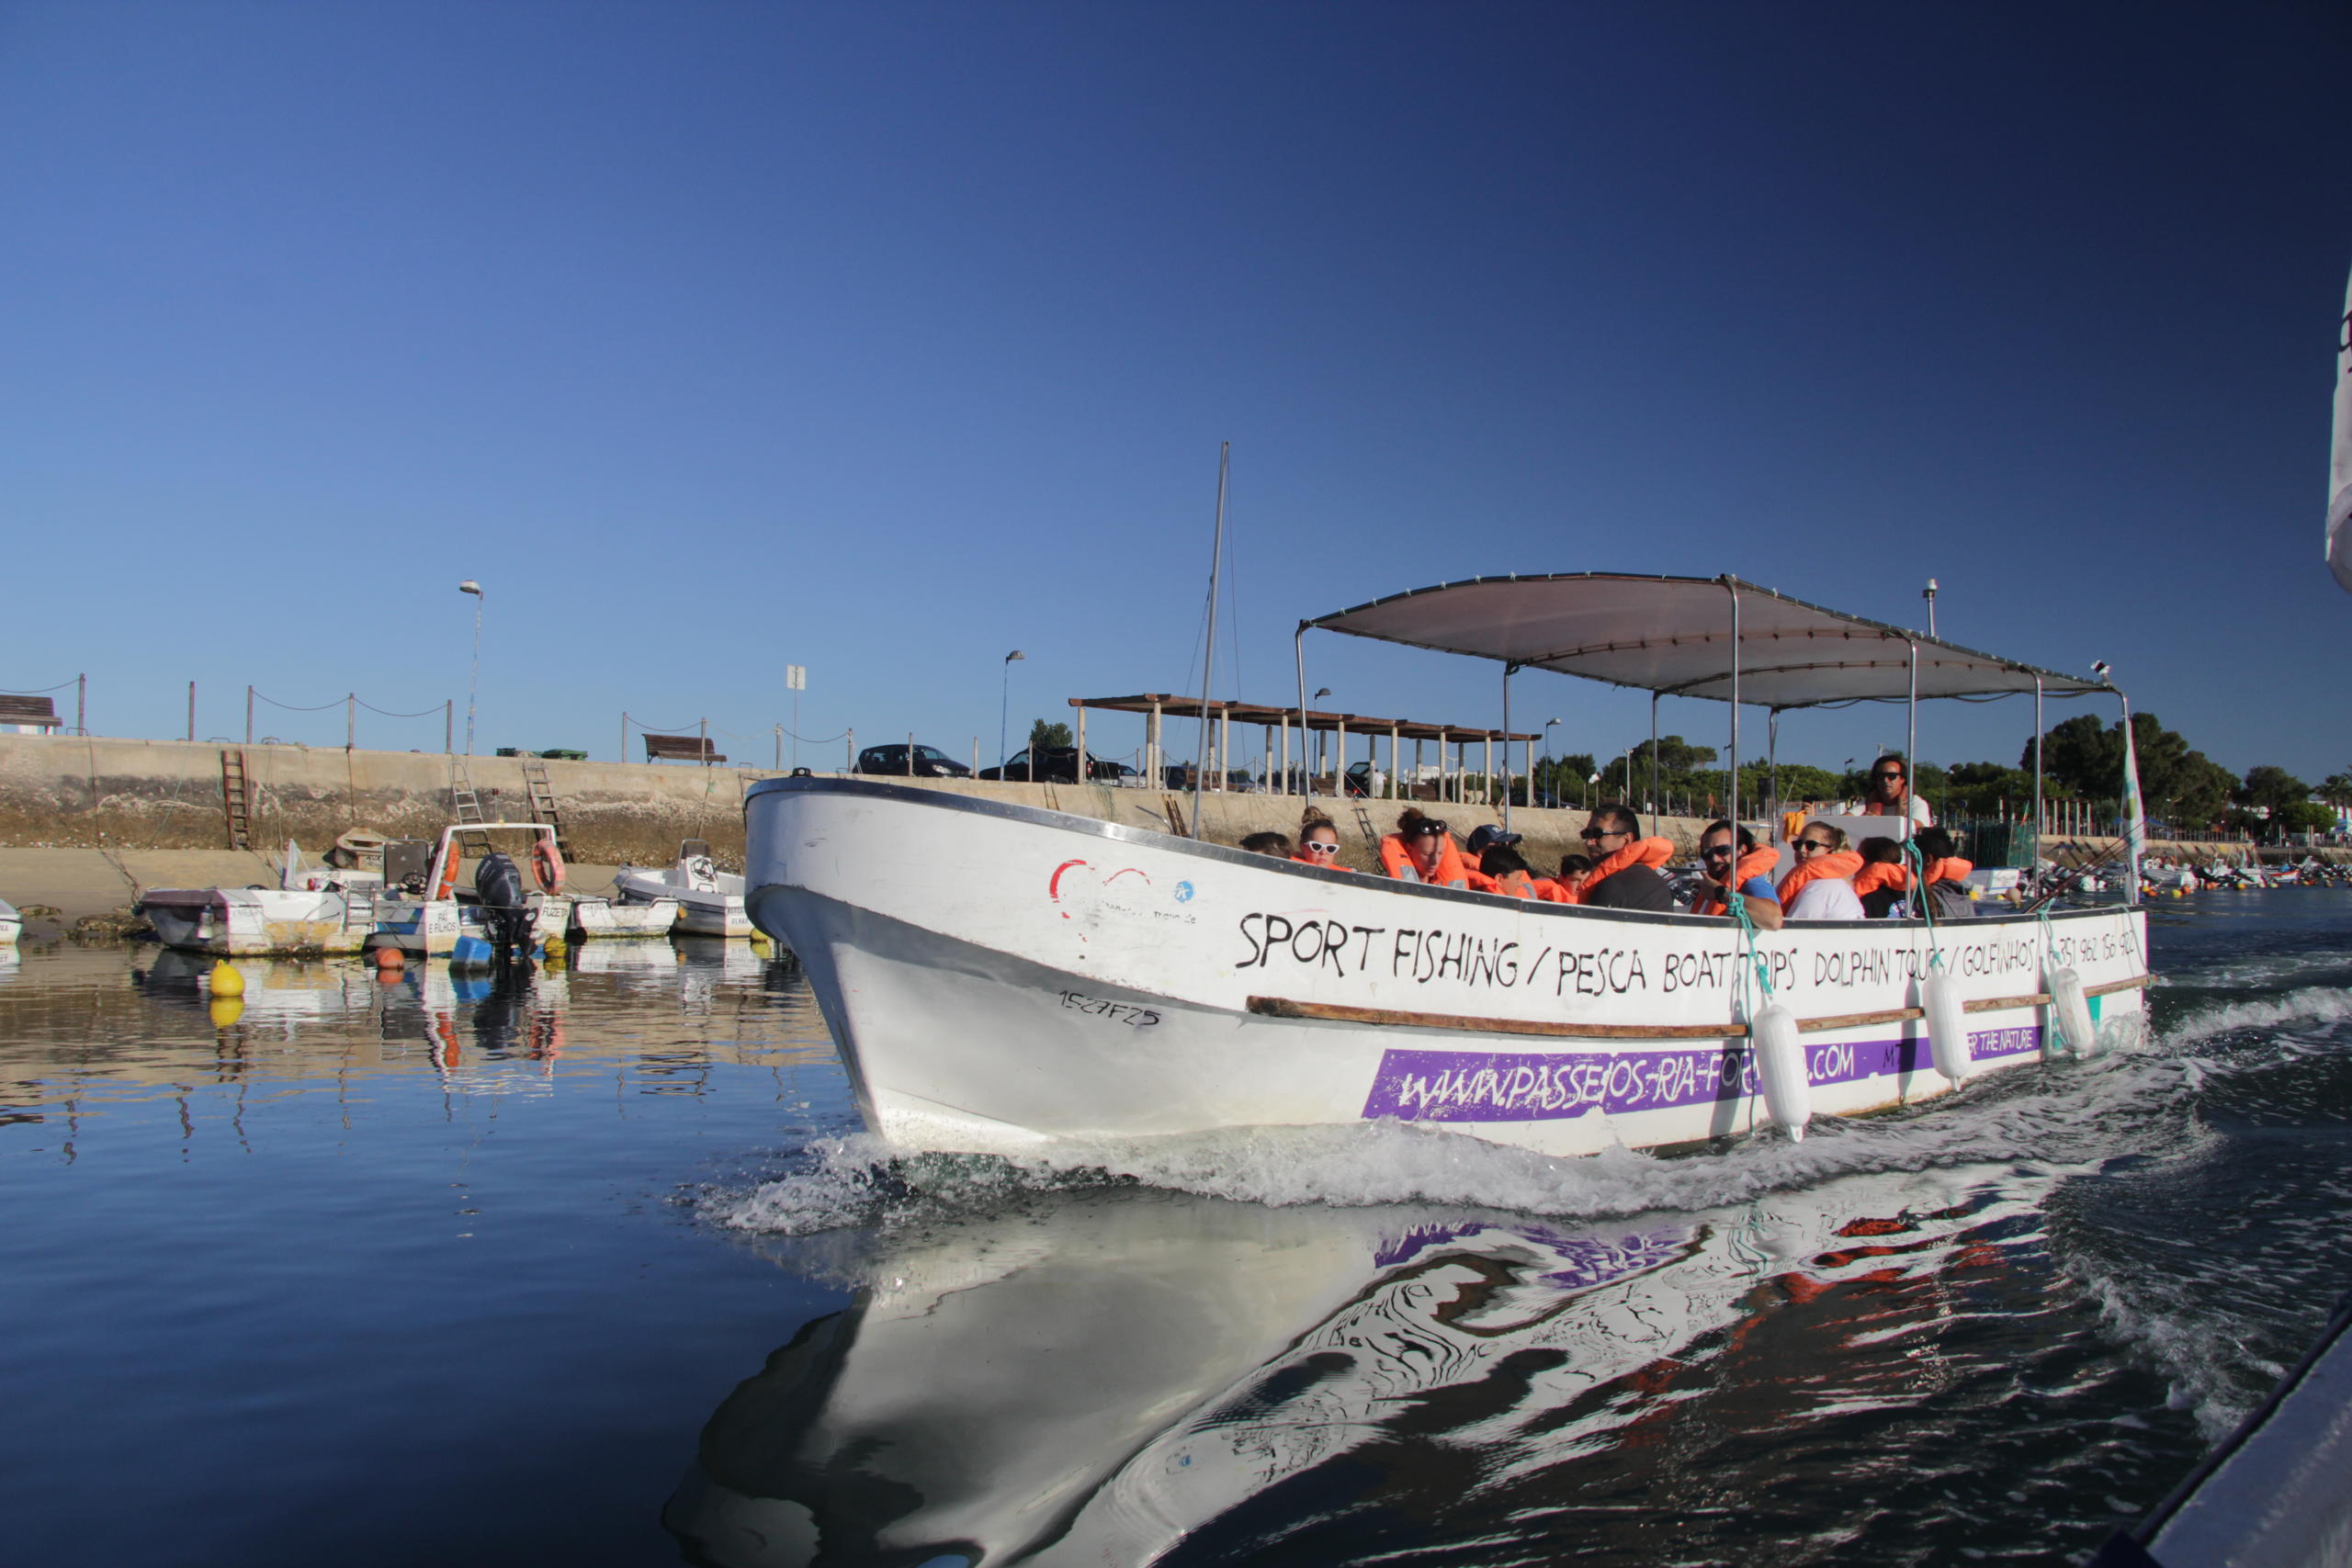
506 917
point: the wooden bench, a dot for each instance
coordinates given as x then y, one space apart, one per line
39 712
679 749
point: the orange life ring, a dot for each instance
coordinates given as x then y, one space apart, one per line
448 883
547 865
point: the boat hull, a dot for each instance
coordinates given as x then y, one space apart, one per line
1080 980
240 921
604 920
702 911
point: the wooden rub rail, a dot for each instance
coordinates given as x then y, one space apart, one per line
1280 1006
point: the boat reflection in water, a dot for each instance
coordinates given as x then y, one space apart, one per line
1095 1378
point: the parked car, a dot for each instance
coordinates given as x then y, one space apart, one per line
930 762
1237 780
1055 764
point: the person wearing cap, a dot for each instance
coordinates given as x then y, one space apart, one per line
1485 879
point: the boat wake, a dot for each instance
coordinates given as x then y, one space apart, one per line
2136 1100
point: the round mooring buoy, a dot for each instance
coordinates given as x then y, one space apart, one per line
226 981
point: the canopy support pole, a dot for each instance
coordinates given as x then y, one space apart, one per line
1732 798
1771 775
1654 763
2036 867
1911 747
1392 762
1298 656
1507 672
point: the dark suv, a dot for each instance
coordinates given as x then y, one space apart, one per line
931 762
1055 764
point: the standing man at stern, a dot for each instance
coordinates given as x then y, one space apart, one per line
1891 792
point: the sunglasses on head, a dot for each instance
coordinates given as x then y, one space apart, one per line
1430 830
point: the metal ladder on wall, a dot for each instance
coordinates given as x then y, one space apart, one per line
1371 833
465 806
237 798
544 806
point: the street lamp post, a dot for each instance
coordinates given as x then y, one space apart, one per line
1004 709
473 676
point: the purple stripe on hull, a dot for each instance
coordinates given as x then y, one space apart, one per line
1513 1086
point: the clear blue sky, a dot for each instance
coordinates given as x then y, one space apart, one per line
887 338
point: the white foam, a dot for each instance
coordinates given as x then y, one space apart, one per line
2069 1115
2312 1004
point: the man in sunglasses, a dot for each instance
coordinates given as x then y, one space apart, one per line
1637 885
1891 792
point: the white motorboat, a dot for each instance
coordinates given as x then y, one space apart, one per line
434 922
1001 977
12 924
607 920
313 909
710 901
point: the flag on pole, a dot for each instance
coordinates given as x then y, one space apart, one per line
2339 481
2135 821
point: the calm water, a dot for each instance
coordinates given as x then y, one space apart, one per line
596 1268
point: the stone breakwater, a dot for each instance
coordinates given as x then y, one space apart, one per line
71 792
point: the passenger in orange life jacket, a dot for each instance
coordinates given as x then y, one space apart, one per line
1501 871
1485 837
1269 843
1818 887
1569 886
1747 868
1421 850
1318 841
1624 876
1883 881
1891 792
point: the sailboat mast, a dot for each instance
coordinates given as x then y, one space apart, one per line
1208 665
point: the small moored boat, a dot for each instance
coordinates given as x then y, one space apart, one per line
710 901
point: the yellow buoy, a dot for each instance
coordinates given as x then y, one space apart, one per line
554 949
225 1010
226 981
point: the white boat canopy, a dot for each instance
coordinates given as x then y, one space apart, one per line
1674 636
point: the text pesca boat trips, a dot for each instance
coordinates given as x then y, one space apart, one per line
1001 977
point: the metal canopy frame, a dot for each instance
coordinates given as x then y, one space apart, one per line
1697 649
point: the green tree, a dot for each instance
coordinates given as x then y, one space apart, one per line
2337 788
2272 788
2081 757
2199 794
1042 734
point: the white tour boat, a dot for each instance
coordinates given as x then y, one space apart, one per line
710 901
1000 976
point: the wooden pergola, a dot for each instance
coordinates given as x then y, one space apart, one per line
1278 722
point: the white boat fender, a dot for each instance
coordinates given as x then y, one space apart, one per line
2070 1011
1947 1026
1780 1068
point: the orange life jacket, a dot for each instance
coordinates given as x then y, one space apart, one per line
1651 852
1815 868
1552 890
1397 862
1753 864
1510 884
1884 874
1870 878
